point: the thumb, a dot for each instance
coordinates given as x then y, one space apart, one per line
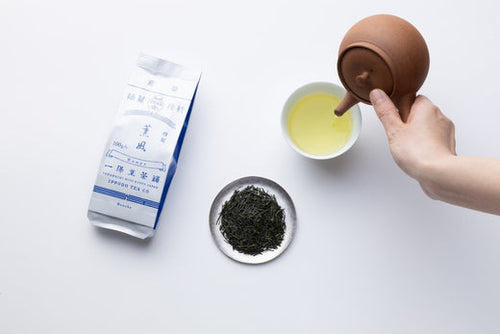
385 109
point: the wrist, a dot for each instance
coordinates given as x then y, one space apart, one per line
431 173
431 169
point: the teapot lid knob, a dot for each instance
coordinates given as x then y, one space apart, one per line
362 80
361 70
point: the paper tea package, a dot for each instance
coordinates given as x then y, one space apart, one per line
140 157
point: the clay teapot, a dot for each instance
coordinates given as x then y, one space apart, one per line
386 52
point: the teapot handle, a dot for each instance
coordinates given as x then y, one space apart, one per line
404 104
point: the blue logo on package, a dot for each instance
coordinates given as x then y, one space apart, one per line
142 150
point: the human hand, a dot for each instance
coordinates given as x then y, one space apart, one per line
426 139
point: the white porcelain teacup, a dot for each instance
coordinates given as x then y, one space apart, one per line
315 88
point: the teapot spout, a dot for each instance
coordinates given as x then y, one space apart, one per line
347 102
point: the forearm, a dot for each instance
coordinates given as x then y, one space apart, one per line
470 182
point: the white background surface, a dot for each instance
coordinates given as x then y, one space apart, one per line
372 254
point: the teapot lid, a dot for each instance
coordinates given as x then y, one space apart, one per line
361 70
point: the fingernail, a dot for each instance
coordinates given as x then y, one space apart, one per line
377 96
